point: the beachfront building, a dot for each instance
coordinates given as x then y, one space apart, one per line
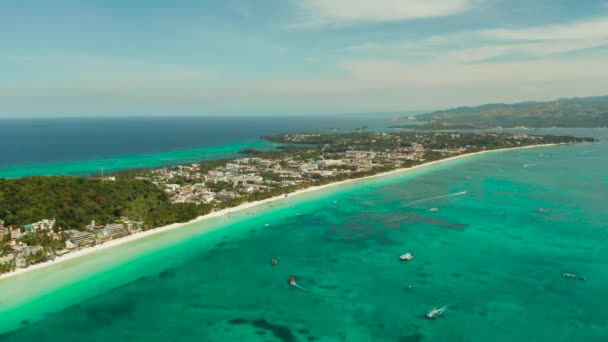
131 226
79 239
112 231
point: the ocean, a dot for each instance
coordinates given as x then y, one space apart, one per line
489 254
82 146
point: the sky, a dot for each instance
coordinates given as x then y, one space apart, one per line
282 57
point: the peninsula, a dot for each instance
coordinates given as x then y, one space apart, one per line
42 218
576 112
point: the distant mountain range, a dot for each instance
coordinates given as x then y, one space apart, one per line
574 112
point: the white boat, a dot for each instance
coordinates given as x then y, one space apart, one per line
435 312
406 257
433 210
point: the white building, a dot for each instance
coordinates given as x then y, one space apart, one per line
329 162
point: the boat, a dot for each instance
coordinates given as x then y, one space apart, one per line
433 210
435 312
406 257
573 276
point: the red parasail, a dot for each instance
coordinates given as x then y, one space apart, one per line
292 280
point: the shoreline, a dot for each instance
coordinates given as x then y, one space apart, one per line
220 213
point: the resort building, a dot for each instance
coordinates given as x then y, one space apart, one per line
80 239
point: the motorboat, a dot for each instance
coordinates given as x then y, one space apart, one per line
406 257
435 312
573 276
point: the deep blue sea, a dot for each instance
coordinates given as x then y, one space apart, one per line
80 146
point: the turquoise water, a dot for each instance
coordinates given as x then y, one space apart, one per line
134 161
80 146
488 254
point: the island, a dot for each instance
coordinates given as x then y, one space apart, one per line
585 112
45 217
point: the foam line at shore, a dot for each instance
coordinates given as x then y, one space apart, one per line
137 236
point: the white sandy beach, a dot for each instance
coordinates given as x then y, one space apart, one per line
127 239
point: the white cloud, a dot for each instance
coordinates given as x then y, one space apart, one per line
380 72
530 50
365 85
588 29
427 73
483 45
326 12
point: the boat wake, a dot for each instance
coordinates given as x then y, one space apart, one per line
435 197
300 287
292 282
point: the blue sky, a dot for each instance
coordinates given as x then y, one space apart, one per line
86 58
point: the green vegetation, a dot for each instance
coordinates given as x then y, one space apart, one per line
74 202
577 112
44 239
6 267
178 212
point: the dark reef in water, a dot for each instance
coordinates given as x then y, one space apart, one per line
238 321
415 337
281 332
168 273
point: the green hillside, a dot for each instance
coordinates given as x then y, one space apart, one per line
576 112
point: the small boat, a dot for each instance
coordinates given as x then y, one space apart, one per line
435 312
433 210
274 262
569 275
406 257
